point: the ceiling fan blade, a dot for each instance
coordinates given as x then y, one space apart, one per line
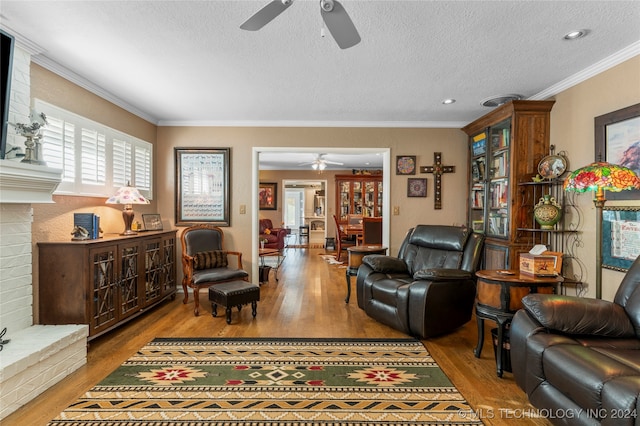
340 26
333 162
266 15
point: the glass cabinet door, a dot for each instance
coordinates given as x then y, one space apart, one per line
478 182
498 202
345 200
357 198
379 203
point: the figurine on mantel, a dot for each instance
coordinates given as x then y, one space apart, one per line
33 152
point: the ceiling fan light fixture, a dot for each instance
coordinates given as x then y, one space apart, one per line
496 101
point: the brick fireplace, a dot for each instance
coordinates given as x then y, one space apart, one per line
37 356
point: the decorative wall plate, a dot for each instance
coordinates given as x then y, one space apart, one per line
552 166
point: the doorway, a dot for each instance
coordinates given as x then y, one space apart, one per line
304 204
386 182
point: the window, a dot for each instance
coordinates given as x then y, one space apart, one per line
95 160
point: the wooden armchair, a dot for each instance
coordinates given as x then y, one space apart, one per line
205 262
342 240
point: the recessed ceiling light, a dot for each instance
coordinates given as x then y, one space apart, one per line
449 101
495 101
573 35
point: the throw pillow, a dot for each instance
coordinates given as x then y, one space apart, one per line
210 259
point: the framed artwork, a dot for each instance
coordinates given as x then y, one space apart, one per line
416 187
406 165
617 137
152 222
268 196
620 237
202 186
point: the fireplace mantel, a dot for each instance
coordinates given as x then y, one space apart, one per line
27 183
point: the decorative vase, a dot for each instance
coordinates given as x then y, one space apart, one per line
547 212
262 245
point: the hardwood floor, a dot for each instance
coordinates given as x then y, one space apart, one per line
308 301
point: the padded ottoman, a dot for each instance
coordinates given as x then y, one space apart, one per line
234 293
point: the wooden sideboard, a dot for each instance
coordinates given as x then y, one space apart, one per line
105 282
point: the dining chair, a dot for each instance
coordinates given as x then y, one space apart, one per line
342 239
372 231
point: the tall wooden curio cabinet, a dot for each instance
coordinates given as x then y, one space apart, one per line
359 195
506 146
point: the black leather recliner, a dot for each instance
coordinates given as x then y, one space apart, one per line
578 359
429 289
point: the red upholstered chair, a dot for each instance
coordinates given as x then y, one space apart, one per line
205 262
275 236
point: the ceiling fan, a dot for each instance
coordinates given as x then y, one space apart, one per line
333 13
319 163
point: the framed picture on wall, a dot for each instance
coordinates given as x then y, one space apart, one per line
406 165
416 187
620 237
617 137
268 196
202 186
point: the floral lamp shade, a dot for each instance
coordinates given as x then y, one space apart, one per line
600 176
127 195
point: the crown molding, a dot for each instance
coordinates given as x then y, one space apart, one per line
64 72
286 123
617 58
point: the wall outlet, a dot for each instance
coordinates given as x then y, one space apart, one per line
243 209
396 210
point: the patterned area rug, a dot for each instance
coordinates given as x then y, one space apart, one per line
274 382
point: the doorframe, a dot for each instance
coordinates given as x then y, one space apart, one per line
255 186
321 181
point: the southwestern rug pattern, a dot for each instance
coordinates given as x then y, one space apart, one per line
274 382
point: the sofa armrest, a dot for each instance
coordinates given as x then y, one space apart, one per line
442 274
581 316
385 264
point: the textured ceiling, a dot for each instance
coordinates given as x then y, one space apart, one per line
189 63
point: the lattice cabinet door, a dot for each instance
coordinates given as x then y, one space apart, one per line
169 265
153 267
130 270
104 288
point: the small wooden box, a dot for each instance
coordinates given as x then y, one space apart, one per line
539 265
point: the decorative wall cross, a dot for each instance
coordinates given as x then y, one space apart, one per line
437 169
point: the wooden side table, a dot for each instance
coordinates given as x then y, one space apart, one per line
499 296
356 253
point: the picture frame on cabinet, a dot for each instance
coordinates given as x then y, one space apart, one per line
621 234
152 222
268 196
416 187
202 186
405 165
617 141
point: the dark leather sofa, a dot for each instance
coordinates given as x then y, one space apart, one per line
276 236
578 359
430 287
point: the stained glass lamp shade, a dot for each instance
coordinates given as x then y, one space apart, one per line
127 195
600 177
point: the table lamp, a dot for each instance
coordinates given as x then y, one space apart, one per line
600 177
127 195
